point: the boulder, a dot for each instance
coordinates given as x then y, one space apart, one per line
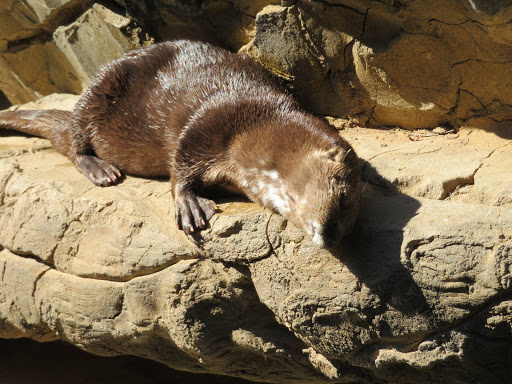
24 19
95 39
421 291
40 69
58 46
406 63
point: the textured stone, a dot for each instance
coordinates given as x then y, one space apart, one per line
43 69
286 41
11 87
92 41
229 23
40 58
471 166
27 18
63 101
410 64
417 293
491 183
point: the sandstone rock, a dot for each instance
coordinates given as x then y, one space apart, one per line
416 293
471 166
30 64
287 41
491 183
64 101
27 18
40 66
12 88
94 40
404 64
226 23
43 69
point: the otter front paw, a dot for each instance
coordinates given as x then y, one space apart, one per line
192 212
98 171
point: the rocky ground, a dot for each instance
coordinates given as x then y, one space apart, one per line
420 292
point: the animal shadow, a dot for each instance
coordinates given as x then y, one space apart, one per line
373 251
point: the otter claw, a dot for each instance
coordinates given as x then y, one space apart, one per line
98 171
193 212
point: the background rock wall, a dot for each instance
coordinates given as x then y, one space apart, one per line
408 63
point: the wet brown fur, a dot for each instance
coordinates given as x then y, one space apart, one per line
202 116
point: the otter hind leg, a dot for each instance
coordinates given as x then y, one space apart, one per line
98 171
83 155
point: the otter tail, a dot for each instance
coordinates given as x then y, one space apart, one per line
37 123
51 124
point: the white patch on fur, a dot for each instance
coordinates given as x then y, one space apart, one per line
276 195
273 174
244 183
473 5
271 190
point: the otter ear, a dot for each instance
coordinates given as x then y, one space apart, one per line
337 154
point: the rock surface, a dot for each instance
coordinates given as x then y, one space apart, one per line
408 63
420 292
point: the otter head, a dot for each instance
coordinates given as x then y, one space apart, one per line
325 194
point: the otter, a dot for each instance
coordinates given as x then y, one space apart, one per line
204 116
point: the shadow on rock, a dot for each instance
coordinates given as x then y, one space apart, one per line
373 254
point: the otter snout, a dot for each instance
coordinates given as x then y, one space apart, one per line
325 236
316 231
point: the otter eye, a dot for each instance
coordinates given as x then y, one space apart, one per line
342 204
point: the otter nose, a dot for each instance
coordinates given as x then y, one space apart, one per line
331 235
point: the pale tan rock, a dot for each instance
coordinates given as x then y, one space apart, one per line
34 67
12 87
377 62
468 167
27 18
411 65
245 221
63 101
65 63
491 183
42 68
92 41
